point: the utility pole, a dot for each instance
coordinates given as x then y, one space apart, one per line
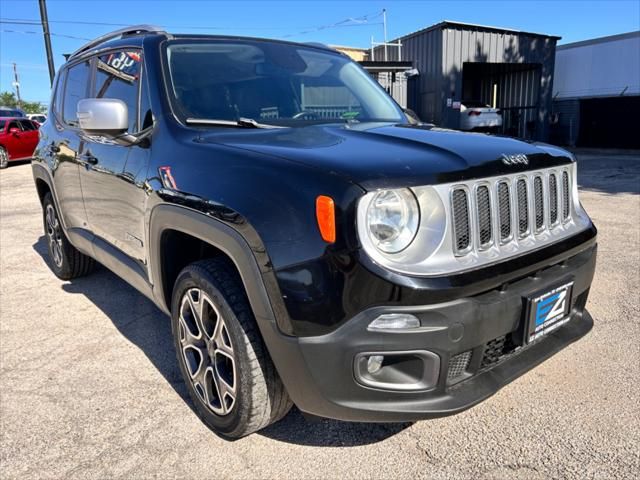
16 84
47 39
384 26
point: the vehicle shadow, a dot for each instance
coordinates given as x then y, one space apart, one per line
145 326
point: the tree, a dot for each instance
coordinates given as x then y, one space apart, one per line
8 99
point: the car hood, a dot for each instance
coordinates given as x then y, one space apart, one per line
385 155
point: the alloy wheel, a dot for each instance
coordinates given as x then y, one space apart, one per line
4 158
54 235
207 351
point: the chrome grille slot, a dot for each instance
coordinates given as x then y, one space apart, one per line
523 208
553 199
538 203
461 227
483 210
504 211
566 196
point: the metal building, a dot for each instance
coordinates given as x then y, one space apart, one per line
508 69
597 92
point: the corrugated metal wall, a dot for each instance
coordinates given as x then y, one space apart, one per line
425 52
439 53
395 84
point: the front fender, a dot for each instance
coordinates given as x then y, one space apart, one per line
257 281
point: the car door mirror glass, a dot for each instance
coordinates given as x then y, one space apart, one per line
14 130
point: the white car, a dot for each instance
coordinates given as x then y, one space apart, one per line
479 116
38 117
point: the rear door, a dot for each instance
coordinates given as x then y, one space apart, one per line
65 143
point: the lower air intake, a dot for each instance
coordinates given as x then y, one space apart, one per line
458 365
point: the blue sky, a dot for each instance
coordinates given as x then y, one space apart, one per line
293 20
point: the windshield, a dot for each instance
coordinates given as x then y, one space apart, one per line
272 83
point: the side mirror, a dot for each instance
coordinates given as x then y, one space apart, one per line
14 131
103 116
412 116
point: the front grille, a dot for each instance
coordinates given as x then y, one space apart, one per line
493 352
483 208
458 365
566 195
523 208
509 210
538 198
460 206
504 210
553 199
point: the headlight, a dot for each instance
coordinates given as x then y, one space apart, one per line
393 217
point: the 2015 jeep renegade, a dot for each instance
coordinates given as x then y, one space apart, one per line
311 244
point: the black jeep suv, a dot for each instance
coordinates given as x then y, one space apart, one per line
311 244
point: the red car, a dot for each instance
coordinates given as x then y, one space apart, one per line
18 139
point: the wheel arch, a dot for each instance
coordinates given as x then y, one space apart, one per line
171 222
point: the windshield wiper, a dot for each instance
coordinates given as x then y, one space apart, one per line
240 122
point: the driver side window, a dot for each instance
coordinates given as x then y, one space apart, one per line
118 76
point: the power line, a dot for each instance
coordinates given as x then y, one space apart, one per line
40 33
362 21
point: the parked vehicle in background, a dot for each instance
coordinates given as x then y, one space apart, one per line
310 243
479 116
37 117
11 112
18 139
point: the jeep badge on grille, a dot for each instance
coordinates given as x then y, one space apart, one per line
520 158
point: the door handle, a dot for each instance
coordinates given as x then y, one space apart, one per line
88 158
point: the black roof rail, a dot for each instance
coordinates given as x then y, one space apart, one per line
121 33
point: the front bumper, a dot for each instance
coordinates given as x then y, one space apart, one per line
319 371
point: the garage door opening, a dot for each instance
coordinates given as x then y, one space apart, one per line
514 88
609 122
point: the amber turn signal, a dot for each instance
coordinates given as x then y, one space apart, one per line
326 216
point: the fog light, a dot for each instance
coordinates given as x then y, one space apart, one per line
374 363
394 321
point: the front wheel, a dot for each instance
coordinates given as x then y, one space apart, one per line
224 362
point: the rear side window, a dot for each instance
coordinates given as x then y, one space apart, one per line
2 124
57 103
27 125
75 90
118 76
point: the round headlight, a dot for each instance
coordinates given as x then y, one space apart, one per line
392 219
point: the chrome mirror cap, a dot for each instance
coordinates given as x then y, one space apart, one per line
103 115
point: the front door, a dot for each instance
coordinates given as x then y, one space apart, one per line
29 137
111 190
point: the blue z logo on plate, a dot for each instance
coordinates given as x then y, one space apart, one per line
549 311
551 307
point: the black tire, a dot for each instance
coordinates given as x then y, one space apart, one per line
65 260
4 158
253 394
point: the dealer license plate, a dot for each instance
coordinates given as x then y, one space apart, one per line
548 311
